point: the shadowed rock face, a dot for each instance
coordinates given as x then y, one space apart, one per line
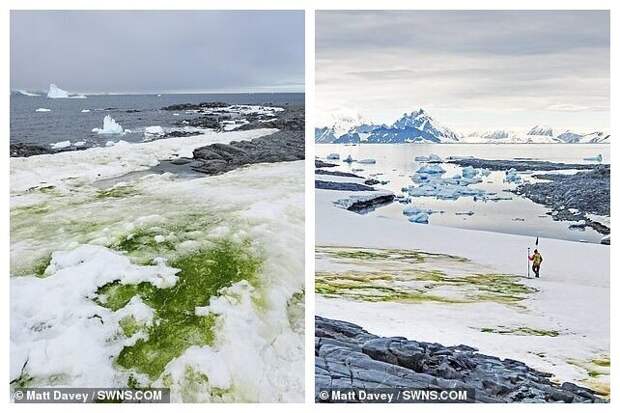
348 357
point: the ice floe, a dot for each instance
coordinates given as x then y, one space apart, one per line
61 145
333 156
43 110
432 158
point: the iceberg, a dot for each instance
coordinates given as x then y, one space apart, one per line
43 110
430 170
333 156
367 161
419 218
512 176
348 159
432 158
597 158
60 145
469 172
110 127
56 93
85 110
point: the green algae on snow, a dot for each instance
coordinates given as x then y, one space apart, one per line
378 254
520 331
117 191
415 286
176 326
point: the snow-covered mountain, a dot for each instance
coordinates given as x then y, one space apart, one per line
419 127
416 126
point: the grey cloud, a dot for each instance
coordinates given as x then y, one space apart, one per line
152 51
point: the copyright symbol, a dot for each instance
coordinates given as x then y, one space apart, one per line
324 395
18 395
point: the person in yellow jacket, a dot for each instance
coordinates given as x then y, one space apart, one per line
536 259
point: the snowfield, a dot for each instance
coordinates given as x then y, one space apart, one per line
558 323
99 243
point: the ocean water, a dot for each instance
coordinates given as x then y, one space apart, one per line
66 121
395 163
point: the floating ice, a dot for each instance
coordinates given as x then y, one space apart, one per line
431 169
464 213
61 145
348 159
43 110
333 156
79 144
367 161
432 158
597 158
85 110
110 127
56 93
26 93
420 218
512 176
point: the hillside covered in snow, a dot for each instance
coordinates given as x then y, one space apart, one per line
419 127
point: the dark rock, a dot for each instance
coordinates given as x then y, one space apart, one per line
195 106
28 149
586 192
348 357
181 134
518 165
342 186
278 147
320 164
372 181
336 173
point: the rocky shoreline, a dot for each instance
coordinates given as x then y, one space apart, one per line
517 165
571 197
348 357
287 144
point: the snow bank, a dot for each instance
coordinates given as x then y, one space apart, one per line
153 131
110 127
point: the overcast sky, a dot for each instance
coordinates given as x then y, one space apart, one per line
136 51
471 70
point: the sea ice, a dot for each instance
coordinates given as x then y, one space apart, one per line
110 127
61 145
85 110
419 218
56 93
348 159
432 158
43 110
431 170
367 161
333 156
597 158
79 144
512 176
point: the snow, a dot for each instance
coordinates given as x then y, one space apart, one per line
153 131
110 127
56 93
572 298
257 355
61 145
43 110
79 144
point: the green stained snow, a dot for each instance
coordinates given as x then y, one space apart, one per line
413 276
520 331
176 326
